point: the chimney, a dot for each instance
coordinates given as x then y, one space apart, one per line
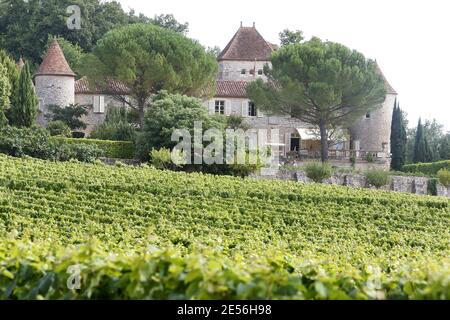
241 24
254 24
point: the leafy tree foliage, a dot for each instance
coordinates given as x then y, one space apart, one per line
398 139
24 111
437 142
116 126
420 145
5 91
13 74
324 84
168 113
147 59
70 115
291 37
26 24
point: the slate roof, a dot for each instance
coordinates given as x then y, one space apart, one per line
54 63
248 45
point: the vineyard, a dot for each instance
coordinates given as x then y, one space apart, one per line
140 233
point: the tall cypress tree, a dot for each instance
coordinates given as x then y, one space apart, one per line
420 148
398 139
24 112
5 91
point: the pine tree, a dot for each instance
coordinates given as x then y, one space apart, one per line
420 148
5 92
24 112
398 139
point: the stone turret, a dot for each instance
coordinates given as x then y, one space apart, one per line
54 81
373 132
244 57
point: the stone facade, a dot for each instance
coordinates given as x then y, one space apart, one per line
95 117
240 63
54 90
374 131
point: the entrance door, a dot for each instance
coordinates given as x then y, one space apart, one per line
295 144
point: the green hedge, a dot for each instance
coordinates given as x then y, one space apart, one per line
112 149
427 168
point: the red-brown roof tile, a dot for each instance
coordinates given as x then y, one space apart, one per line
389 88
112 87
55 64
247 44
231 89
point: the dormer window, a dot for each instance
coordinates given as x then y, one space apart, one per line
243 72
252 72
368 115
260 72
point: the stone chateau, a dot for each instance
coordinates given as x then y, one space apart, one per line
241 61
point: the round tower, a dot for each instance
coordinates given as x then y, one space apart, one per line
373 131
54 81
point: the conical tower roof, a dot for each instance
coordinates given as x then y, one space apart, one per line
389 88
55 64
248 45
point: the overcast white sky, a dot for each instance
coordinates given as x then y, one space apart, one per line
409 39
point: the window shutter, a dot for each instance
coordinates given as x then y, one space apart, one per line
287 142
245 108
101 104
96 104
227 107
212 107
259 113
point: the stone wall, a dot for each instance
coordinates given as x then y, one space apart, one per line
375 131
231 70
53 90
416 185
93 118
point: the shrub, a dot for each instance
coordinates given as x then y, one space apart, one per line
317 171
78 135
111 149
37 143
161 159
370 157
378 177
432 186
116 126
70 115
444 177
59 128
427 168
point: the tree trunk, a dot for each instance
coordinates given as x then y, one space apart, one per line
323 141
141 116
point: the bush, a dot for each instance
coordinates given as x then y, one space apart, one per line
161 159
378 177
317 171
432 186
427 168
444 177
116 126
59 128
37 143
78 135
70 115
111 149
